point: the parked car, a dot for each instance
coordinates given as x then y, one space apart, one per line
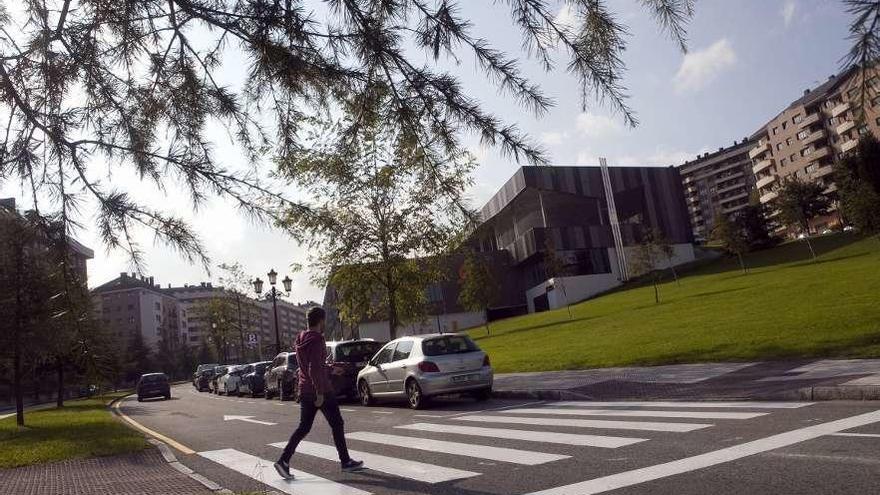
202 375
280 378
252 383
419 367
215 376
153 385
230 383
346 359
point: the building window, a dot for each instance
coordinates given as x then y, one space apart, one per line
803 134
863 130
788 141
877 121
792 157
131 320
778 146
158 318
807 151
775 130
783 161
810 168
797 118
158 307
831 122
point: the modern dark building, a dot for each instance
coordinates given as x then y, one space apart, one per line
558 235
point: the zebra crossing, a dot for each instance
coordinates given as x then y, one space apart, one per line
474 437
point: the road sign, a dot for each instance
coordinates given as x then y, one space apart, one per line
252 338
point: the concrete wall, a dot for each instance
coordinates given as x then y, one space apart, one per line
450 322
569 290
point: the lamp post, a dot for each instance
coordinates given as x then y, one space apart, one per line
258 288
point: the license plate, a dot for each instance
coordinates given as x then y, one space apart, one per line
464 378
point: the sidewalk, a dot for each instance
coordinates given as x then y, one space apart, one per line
139 473
844 379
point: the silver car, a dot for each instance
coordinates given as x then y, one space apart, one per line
418 367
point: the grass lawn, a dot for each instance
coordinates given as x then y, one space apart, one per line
787 306
82 428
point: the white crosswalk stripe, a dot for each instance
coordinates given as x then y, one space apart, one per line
587 423
404 468
687 405
502 454
261 470
527 435
637 414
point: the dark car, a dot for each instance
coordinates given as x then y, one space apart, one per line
253 382
346 358
202 376
280 377
153 385
216 373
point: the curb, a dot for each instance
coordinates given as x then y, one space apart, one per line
818 393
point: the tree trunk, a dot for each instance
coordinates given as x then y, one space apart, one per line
392 314
656 292
59 368
16 381
810 245
742 263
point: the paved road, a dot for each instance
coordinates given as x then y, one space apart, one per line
520 447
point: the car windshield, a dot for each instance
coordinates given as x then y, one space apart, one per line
260 368
154 379
205 367
452 344
219 370
291 360
355 352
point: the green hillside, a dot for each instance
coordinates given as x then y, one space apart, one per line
787 306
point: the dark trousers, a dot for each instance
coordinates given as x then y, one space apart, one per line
308 411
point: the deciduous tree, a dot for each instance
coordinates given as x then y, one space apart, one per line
478 285
799 202
732 238
647 255
858 179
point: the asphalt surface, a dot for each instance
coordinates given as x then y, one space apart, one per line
730 448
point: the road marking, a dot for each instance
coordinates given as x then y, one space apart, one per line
247 419
177 445
418 471
589 423
643 475
529 436
535 403
866 435
480 451
688 405
428 416
382 412
262 471
347 410
638 414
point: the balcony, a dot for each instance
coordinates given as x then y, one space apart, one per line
764 181
822 171
770 196
761 165
849 145
731 209
844 127
733 197
818 154
759 150
816 136
810 119
731 187
840 109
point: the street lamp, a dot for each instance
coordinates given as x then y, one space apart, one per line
258 288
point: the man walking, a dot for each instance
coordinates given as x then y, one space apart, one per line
316 393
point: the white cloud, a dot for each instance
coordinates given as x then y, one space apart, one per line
565 17
701 67
594 125
553 138
788 10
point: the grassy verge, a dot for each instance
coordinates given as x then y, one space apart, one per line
82 428
787 306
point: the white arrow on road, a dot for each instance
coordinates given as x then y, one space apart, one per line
248 420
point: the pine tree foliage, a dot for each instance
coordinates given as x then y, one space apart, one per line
137 85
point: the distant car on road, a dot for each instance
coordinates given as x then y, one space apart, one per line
153 385
230 382
419 367
280 377
252 383
202 375
346 359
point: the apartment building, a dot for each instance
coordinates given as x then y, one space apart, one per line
812 133
132 303
717 183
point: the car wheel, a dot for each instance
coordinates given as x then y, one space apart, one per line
282 396
414 395
484 394
168 397
364 393
140 399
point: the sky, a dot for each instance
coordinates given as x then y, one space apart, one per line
746 60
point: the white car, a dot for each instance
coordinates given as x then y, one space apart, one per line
230 382
419 367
